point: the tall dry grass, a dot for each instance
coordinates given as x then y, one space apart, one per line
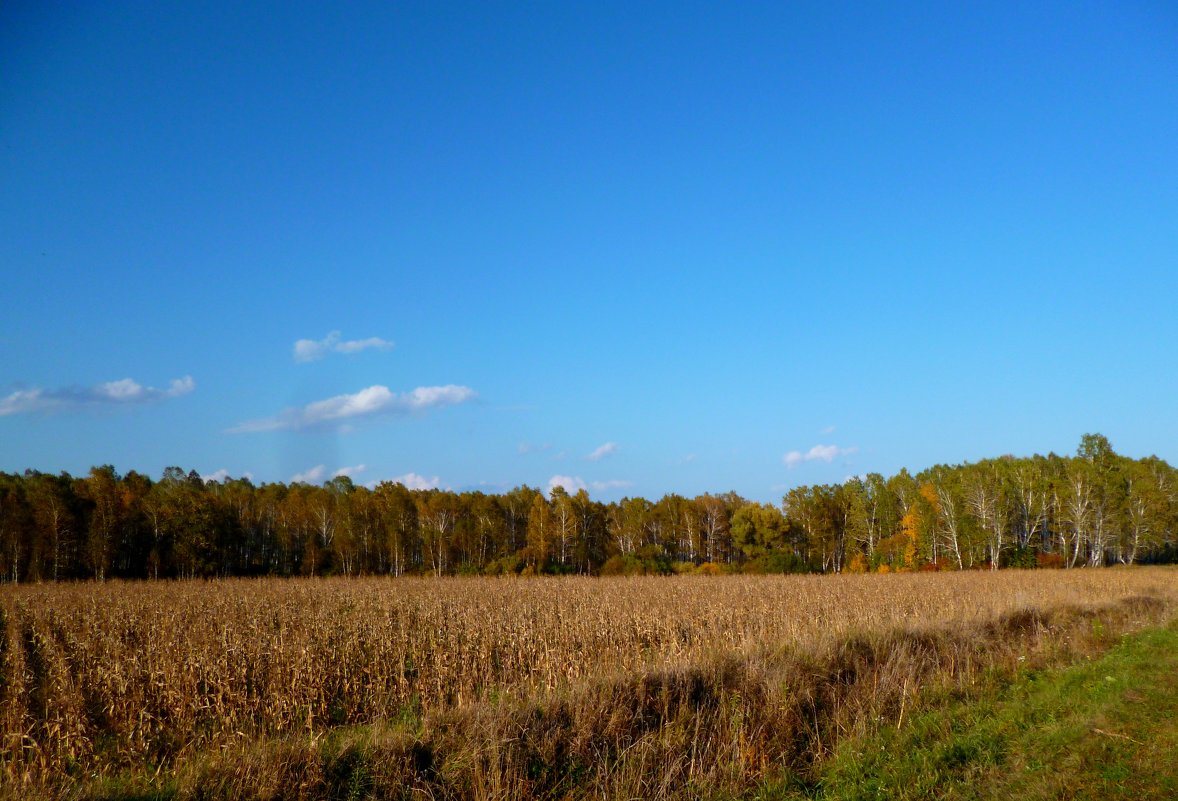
102 678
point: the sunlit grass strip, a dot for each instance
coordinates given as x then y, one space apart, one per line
1105 728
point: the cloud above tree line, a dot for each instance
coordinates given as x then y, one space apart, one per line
318 473
415 481
370 402
123 392
223 474
819 453
309 350
573 484
602 451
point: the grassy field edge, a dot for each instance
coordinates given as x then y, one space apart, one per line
1105 728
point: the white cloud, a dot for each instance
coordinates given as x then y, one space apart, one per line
612 484
223 474
526 447
827 430
602 451
819 453
825 453
414 481
29 400
312 476
366 401
374 400
574 484
123 392
350 472
427 397
309 350
181 386
570 484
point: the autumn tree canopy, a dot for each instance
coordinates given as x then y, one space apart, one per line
1093 509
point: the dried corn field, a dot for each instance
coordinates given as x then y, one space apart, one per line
99 678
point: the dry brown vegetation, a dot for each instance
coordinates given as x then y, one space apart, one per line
495 688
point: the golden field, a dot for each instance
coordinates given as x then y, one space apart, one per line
102 680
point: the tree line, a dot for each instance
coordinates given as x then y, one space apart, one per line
1091 509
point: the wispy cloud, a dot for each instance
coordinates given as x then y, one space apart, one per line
354 470
611 484
602 451
569 484
223 474
375 400
124 392
312 475
309 350
827 430
574 484
527 447
819 453
416 481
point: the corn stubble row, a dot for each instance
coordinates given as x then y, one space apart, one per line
98 677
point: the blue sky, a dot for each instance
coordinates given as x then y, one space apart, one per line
668 248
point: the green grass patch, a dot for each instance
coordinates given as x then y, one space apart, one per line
1102 729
